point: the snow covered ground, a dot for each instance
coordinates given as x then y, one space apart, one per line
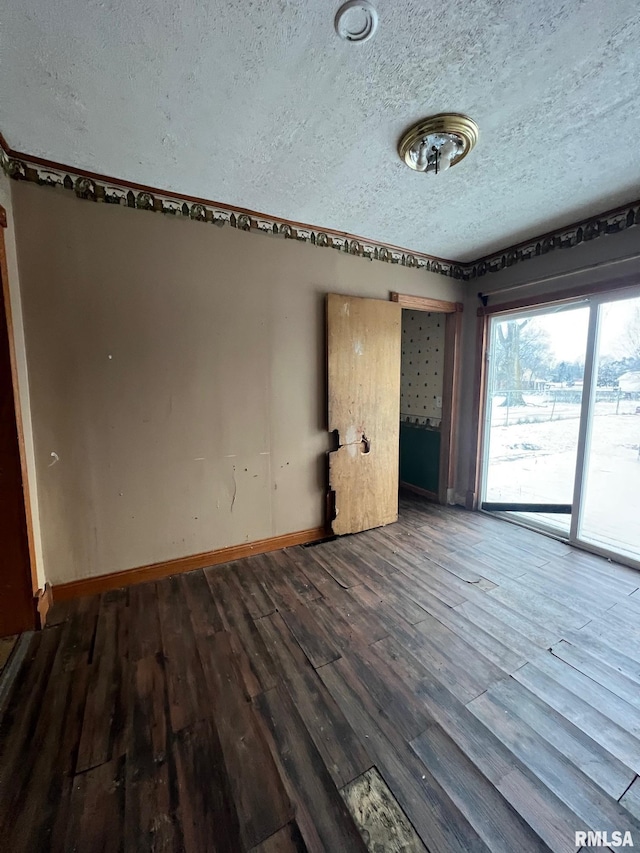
536 461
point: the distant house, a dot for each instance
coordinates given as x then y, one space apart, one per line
629 382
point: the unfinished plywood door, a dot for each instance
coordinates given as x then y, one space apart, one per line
364 410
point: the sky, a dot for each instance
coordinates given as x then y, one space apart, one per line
567 329
613 324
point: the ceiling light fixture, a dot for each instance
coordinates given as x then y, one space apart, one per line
356 21
435 144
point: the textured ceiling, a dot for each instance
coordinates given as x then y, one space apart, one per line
260 104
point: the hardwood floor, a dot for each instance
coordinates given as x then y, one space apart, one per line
6 647
448 683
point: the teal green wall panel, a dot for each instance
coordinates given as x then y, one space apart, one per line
419 456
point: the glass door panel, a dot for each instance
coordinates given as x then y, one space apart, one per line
610 516
534 403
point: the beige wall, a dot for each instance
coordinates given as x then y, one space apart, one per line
177 370
21 363
607 257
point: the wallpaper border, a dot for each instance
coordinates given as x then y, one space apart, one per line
98 188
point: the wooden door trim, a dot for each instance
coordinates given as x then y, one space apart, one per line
451 384
424 303
450 381
6 298
477 416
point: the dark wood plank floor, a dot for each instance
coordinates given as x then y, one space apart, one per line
448 683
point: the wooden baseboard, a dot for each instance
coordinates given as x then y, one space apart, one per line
155 571
44 600
433 496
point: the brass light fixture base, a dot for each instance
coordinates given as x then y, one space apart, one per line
420 145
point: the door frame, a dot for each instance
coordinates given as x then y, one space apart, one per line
592 294
450 381
28 573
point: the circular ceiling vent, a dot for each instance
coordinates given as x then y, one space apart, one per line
356 21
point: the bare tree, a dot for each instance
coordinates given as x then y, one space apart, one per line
523 348
536 354
509 338
628 346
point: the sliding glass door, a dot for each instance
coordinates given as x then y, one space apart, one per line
534 401
562 421
610 516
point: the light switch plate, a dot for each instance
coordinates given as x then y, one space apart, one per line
438 402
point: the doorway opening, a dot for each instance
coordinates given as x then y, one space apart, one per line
421 391
562 421
428 394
